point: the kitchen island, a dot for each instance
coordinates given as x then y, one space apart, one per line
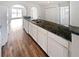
54 28
53 38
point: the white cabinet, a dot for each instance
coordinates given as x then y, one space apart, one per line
42 38
75 46
52 44
39 35
26 25
55 48
30 28
33 31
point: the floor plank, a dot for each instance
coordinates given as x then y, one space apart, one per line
21 44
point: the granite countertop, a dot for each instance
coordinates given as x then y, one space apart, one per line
27 17
74 29
53 27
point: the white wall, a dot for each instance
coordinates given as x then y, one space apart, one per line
26 13
40 11
74 13
64 16
0 51
26 4
3 14
52 14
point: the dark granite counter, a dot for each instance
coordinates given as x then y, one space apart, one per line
54 28
74 30
27 17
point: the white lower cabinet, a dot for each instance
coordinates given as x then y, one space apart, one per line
42 38
30 28
55 49
26 25
52 44
33 31
75 46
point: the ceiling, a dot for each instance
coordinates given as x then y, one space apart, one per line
33 2
48 2
45 2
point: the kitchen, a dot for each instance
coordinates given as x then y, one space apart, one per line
52 25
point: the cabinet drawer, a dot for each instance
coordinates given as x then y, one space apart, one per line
42 39
42 30
59 39
55 49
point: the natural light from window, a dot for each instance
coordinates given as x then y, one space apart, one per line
16 21
17 11
16 24
34 13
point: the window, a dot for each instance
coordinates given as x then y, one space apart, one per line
16 12
34 13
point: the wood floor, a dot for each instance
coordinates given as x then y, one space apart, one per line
21 44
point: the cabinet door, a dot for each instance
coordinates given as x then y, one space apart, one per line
34 32
24 23
30 28
26 26
75 46
55 49
42 38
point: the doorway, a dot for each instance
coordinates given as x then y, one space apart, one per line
16 20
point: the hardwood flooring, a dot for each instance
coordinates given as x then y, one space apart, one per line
20 44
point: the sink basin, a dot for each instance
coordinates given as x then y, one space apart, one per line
37 22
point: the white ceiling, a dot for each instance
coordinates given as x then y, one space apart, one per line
31 2
48 2
45 2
